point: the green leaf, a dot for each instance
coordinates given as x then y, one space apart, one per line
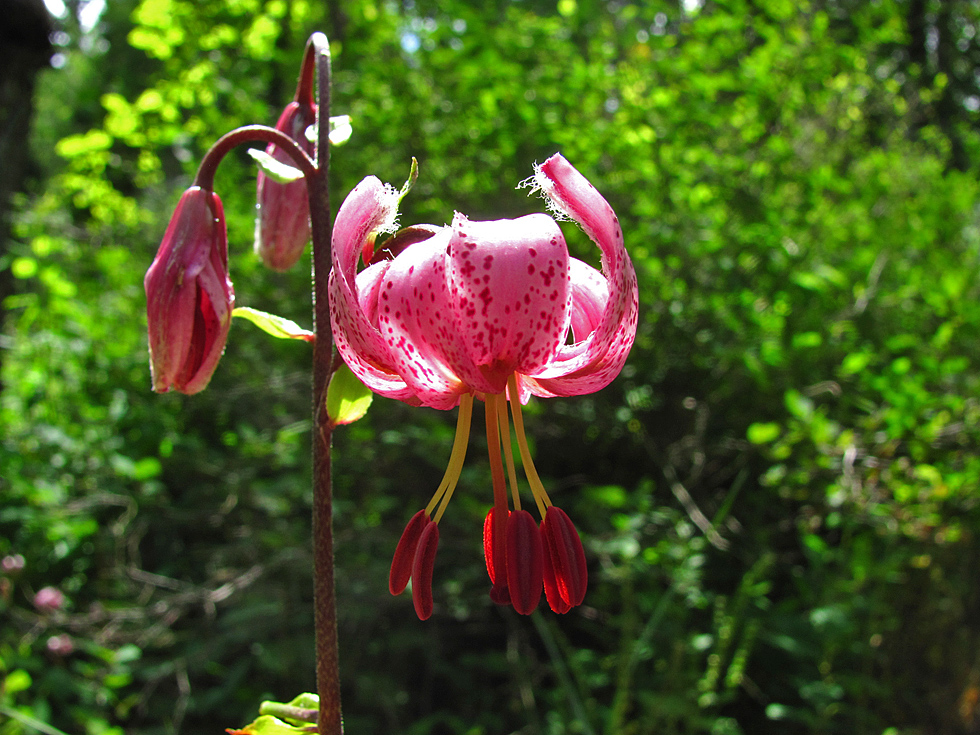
413 174
275 170
348 399
762 433
277 326
269 725
340 130
17 680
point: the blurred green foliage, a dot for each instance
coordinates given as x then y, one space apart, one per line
778 496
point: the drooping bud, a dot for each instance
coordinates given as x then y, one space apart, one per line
49 599
524 561
282 223
189 297
404 559
425 561
565 571
494 551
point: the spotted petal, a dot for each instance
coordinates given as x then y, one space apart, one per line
370 207
590 363
510 290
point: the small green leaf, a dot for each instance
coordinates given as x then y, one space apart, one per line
268 725
17 680
348 399
277 326
413 174
275 170
762 433
340 130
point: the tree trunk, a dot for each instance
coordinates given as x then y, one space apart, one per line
25 49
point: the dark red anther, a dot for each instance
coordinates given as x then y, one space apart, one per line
524 561
401 563
551 585
498 593
568 571
425 561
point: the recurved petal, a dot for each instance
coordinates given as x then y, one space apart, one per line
510 288
589 298
571 194
369 207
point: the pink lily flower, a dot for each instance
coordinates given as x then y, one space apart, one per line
189 297
443 315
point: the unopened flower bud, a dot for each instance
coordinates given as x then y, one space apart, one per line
282 223
189 297
49 599
61 645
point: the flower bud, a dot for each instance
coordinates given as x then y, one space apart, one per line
12 564
48 599
60 645
282 223
189 297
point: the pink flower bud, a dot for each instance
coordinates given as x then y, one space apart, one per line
189 297
61 645
282 225
49 599
12 564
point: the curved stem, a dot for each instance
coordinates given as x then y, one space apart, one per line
324 597
252 134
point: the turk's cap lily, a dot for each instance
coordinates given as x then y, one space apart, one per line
282 221
189 297
461 310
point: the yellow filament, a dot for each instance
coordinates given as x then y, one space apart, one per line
537 488
508 449
456 457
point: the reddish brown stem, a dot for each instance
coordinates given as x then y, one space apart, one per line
256 134
324 598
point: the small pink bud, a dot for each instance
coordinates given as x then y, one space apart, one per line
425 561
404 559
61 645
524 561
565 571
12 564
49 599
189 297
282 224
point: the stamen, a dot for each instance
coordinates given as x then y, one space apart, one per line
537 488
508 453
456 457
